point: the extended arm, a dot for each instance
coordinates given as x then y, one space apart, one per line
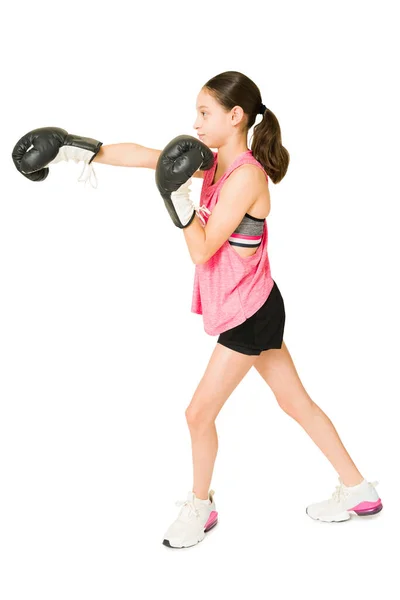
40 148
128 154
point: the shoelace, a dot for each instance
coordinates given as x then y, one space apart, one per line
88 176
341 493
190 505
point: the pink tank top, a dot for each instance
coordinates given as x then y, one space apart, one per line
228 289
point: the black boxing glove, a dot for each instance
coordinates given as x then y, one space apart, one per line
45 146
182 157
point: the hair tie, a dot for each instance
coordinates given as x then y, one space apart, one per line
262 109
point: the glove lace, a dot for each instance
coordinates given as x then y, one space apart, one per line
88 176
182 195
201 209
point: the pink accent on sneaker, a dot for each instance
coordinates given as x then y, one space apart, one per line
367 507
212 520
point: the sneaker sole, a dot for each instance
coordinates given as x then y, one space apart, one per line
366 512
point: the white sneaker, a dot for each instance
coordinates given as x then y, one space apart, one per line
194 520
361 499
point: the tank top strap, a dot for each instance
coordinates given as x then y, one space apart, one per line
246 158
243 159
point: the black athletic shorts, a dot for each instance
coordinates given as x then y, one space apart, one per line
262 331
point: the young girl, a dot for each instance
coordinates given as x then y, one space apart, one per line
239 300
235 293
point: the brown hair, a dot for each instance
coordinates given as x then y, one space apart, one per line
232 88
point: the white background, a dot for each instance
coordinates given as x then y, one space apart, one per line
100 354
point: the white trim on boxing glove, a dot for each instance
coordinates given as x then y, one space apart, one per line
185 206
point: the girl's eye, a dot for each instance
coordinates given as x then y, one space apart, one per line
203 113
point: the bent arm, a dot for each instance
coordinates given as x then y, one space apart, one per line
131 155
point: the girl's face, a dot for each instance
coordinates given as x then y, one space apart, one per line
213 124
